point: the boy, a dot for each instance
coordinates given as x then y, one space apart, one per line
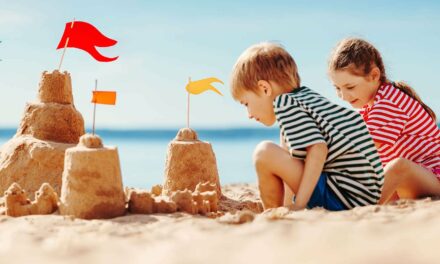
327 157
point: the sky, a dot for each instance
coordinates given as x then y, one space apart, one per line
162 43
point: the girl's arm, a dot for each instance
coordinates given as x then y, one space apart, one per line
314 163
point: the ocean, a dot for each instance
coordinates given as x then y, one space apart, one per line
142 153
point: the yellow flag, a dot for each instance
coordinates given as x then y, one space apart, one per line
202 85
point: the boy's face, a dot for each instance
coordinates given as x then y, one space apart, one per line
259 106
358 91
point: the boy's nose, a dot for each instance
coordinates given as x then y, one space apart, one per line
249 114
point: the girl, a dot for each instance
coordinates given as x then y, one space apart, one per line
403 128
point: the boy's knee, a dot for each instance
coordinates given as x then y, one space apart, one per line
262 151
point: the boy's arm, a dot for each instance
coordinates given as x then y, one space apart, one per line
301 132
314 163
378 145
288 193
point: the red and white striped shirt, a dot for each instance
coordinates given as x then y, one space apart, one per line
403 128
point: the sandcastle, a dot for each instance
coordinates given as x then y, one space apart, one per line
92 182
18 204
191 181
49 126
50 149
203 200
189 162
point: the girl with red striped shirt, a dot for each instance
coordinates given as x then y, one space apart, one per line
403 128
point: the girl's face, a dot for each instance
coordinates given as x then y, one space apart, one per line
358 91
259 106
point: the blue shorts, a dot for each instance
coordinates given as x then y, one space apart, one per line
323 196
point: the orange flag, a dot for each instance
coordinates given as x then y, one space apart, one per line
104 97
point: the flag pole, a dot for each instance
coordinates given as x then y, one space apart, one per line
65 46
94 108
187 106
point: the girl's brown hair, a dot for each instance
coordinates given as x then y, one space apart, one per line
359 57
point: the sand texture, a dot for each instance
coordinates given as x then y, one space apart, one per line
406 232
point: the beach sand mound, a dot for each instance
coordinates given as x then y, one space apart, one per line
48 127
30 162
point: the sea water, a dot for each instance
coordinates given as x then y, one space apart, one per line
142 153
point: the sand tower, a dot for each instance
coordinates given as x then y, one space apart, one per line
92 182
189 162
49 126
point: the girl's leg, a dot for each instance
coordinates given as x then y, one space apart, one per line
409 180
274 167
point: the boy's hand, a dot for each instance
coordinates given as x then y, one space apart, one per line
314 163
378 145
277 213
296 207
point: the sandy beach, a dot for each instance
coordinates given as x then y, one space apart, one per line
405 232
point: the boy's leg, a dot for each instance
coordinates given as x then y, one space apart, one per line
275 166
288 195
409 180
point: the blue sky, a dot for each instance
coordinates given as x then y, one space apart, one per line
162 43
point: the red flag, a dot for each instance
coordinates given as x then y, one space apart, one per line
85 36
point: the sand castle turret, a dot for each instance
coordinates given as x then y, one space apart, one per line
53 117
49 126
92 182
189 162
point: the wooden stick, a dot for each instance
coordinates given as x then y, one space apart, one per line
65 46
94 108
187 106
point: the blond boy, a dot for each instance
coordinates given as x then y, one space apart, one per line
327 157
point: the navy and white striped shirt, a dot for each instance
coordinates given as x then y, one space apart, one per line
353 166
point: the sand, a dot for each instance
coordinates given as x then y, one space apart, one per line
406 232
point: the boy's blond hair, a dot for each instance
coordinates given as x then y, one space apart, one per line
264 61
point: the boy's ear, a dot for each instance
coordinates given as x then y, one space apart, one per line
264 87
